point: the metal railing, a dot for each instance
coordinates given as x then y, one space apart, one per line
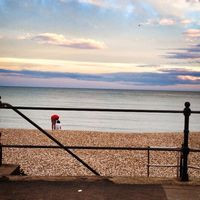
184 150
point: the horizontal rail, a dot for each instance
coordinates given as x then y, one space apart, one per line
154 165
194 150
98 148
94 148
192 167
95 109
195 112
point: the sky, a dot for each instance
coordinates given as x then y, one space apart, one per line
114 44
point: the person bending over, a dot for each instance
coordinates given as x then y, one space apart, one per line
54 118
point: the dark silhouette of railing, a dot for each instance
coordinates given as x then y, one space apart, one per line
184 150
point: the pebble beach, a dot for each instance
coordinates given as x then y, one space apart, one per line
57 162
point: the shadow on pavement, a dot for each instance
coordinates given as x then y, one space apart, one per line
50 190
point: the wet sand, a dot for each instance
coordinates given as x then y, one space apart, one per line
57 162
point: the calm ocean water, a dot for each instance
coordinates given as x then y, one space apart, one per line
100 121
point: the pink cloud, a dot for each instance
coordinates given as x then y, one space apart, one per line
191 78
94 2
186 21
61 40
192 33
167 22
162 22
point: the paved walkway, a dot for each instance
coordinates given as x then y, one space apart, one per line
92 188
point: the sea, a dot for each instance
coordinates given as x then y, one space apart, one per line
100 98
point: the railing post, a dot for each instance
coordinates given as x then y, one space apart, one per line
185 149
178 164
148 160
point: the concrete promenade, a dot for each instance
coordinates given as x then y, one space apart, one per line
96 188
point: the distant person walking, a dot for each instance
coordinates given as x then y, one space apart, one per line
58 125
54 118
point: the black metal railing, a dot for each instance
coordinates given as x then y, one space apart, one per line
184 150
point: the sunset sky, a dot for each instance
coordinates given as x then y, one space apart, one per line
118 44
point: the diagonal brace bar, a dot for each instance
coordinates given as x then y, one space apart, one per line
51 137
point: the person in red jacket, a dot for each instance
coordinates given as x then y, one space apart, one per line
54 118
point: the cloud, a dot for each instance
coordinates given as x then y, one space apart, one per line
176 8
167 22
185 76
54 65
162 22
192 52
165 13
113 4
183 72
190 78
105 4
186 21
193 1
185 55
194 48
60 40
168 11
126 74
192 33
24 36
48 75
93 2
164 78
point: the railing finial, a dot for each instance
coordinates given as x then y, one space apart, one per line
187 104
